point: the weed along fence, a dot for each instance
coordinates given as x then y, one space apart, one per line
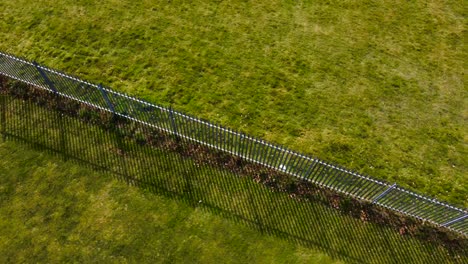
227 146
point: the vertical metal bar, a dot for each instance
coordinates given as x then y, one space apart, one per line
205 129
419 206
399 200
270 154
343 181
279 162
311 169
293 162
173 124
209 137
250 148
199 131
340 179
412 208
226 139
235 139
213 131
426 209
360 183
318 174
217 141
106 98
406 200
165 120
63 84
214 135
252 155
255 149
206 133
306 167
367 191
439 213
185 122
188 128
282 161
300 166
241 144
181 127
60 83
153 116
332 176
287 161
268 150
262 149
276 155
267 154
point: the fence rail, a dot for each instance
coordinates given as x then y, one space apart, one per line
251 149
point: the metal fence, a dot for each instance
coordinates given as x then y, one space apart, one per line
251 149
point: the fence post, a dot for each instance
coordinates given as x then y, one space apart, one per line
454 220
106 98
173 124
383 193
45 77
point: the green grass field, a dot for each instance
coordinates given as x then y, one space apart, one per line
375 86
56 210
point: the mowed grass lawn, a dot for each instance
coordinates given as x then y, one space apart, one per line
377 86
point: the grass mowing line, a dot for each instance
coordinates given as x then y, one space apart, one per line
307 223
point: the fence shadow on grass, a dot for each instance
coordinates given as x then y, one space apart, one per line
164 171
